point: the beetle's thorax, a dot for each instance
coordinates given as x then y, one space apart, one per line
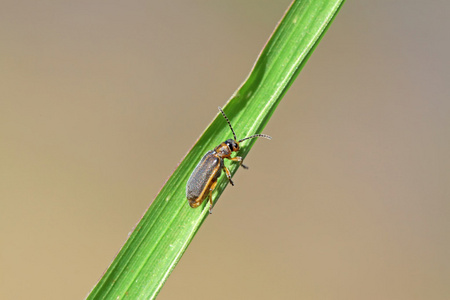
226 148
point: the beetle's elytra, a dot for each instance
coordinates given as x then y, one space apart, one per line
203 180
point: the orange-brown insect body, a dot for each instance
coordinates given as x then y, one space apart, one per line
203 179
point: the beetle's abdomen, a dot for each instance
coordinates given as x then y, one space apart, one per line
205 173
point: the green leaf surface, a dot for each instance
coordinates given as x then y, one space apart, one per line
164 232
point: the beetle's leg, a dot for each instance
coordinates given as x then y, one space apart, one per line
239 159
228 175
211 189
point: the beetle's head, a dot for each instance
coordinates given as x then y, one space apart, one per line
232 144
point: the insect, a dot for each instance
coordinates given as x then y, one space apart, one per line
203 180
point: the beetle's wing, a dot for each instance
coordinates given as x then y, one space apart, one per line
205 173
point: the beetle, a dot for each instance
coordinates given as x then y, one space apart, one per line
203 179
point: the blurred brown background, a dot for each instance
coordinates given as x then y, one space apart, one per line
350 200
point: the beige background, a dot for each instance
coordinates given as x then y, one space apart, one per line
101 99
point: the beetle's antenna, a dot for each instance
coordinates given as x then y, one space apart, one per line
256 135
228 121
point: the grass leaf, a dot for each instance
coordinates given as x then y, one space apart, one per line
163 234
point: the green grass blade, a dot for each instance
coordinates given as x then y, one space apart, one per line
163 234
